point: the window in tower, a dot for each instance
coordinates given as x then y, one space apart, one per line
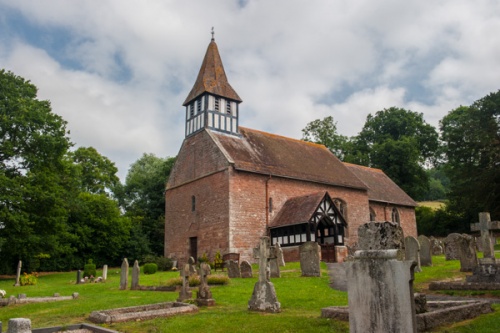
191 110
228 107
217 100
198 109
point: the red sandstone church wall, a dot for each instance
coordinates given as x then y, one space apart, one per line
383 212
209 222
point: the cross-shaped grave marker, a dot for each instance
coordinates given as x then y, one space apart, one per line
264 253
486 226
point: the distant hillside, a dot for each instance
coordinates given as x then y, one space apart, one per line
432 204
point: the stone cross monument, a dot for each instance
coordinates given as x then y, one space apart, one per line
486 226
264 295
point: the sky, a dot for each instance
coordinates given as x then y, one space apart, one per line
118 71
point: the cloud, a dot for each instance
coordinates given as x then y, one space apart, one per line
118 71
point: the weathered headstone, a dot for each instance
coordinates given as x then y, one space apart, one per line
412 251
233 270
452 246
18 273
436 246
310 259
19 325
264 295
279 255
274 268
185 293
467 252
136 271
124 275
246 269
105 272
204 295
380 284
192 266
425 251
78 276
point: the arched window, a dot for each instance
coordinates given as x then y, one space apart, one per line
373 216
395 215
193 203
341 206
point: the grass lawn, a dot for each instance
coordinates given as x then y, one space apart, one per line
301 301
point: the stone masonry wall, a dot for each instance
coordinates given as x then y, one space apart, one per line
407 219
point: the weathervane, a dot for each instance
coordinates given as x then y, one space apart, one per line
213 33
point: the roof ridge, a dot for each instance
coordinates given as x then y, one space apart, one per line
363 167
284 137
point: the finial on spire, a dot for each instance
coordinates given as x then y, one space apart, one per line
213 33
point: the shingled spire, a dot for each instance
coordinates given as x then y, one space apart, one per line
212 102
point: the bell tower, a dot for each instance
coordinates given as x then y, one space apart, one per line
212 102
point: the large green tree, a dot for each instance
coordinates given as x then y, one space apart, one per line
33 142
471 145
324 131
399 142
144 200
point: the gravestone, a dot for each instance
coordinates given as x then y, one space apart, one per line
467 252
233 270
279 255
79 276
436 246
18 273
274 268
192 266
452 246
19 325
310 259
124 275
264 297
246 269
105 272
136 271
425 251
379 283
185 293
412 251
204 295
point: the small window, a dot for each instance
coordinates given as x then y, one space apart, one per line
199 106
228 107
217 101
193 203
191 109
395 216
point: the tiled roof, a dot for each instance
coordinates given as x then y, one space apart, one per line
212 78
380 187
275 155
298 210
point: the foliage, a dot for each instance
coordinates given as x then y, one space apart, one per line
194 280
439 222
471 146
89 269
28 279
144 201
324 131
204 258
163 264
150 268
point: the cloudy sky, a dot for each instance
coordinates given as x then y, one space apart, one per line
118 71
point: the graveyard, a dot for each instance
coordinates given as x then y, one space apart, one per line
301 299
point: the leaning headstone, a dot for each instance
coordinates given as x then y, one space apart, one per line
124 275
264 295
380 290
233 270
425 251
19 325
18 273
246 269
412 251
136 271
310 259
452 246
105 272
279 255
204 295
185 293
274 268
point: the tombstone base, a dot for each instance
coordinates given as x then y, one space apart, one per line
487 271
264 298
205 301
184 295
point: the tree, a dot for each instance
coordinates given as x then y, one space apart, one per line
471 145
325 132
399 142
33 142
144 198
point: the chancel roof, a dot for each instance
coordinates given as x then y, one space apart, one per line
212 77
274 155
380 187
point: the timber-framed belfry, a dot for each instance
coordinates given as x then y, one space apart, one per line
231 185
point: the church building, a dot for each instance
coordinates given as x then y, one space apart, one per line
231 185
